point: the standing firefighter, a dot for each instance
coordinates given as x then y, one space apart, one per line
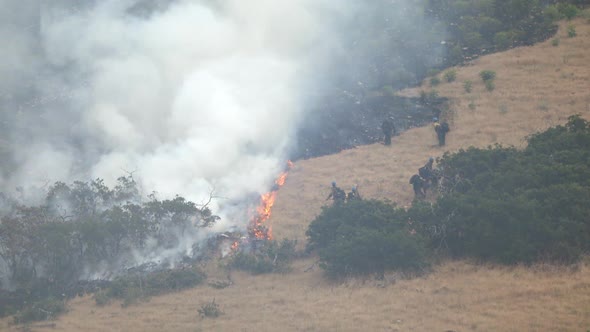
441 129
353 195
337 194
418 183
388 130
426 170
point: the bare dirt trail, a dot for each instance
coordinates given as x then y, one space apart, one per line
536 87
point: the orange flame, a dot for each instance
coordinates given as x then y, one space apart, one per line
258 229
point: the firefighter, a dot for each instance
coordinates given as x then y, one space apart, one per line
388 129
337 194
429 175
353 195
418 184
441 129
426 170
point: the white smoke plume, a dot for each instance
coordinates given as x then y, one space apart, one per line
189 95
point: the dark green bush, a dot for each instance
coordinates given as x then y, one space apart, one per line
450 75
552 13
366 237
46 309
267 257
255 264
480 27
131 288
505 39
568 10
434 81
571 31
210 310
468 86
510 206
487 75
102 297
219 284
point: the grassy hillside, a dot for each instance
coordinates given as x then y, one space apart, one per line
536 87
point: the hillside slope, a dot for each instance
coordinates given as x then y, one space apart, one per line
536 87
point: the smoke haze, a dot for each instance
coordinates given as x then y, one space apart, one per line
188 95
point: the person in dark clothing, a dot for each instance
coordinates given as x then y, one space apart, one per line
441 129
388 130
418 183
427 174
426 171
353 195
337 194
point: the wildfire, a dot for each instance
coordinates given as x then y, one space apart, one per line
258 229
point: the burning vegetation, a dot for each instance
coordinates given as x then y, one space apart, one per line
258 232
258 229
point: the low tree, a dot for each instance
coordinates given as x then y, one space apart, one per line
366 236
513 206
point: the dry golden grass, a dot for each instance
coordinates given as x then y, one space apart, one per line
536 87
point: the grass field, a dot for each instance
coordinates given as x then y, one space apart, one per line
536 87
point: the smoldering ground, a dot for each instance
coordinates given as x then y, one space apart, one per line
191 96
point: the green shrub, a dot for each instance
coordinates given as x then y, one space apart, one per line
210 310
468 86
172 280
510 206
571 31
219 284
555 42
46 309
568 10
373 251
487 75
490 85
429 98
366 236
450 75
552 13
504 40
268 257
131 288
255 264
434 81
102 298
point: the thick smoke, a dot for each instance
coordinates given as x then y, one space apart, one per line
192 97
187 95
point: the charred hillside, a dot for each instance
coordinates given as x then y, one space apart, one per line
344 122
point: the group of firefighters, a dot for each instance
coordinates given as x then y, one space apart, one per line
426 178
340 197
